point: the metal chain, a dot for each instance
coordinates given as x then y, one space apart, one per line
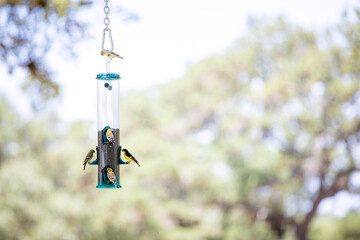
107 29
106 11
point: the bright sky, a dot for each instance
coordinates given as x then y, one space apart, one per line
167 39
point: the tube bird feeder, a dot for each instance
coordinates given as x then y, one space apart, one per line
108 116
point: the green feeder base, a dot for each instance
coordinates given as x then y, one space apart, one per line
108 185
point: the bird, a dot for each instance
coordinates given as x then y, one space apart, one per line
130 157
110 136
88 157
111 55
111 176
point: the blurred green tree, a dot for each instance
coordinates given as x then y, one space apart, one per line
333 228
282 108
29 29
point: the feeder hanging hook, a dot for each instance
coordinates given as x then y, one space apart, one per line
107 29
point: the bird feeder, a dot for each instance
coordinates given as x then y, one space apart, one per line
108 117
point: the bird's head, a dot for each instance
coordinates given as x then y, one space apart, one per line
92 150
109 170
102 52
125 150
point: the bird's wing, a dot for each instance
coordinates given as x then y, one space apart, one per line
117 55
87 158
112 177
130 156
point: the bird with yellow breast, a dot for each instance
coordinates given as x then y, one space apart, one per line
130 157
88 157
110 136
111 176
111 55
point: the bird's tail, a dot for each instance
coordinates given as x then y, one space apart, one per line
137 163
118 56
84 166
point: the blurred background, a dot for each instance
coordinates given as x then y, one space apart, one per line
244 116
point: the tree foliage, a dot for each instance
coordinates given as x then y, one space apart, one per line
275 118
29 28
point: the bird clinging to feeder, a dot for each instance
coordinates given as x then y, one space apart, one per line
111 176
88 157
130 157
109 135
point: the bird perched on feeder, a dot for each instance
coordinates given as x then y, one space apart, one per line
110 136
130 157
88 157
111 55
111 176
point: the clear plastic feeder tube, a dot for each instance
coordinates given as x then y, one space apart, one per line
108 102
108 116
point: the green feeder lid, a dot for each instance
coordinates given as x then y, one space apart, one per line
108 76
